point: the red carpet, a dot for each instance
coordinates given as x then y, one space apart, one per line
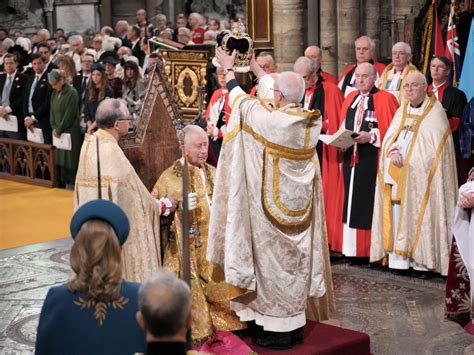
324 339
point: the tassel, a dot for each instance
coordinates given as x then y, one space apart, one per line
354 158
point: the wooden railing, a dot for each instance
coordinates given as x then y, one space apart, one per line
27 162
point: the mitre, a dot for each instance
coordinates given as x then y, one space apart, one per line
239 41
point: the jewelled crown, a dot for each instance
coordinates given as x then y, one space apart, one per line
237 40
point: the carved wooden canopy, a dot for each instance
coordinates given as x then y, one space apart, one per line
153 144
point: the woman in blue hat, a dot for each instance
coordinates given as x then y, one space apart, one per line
94 312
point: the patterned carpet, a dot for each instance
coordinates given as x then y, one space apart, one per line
402 315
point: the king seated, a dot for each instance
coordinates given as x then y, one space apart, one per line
210 296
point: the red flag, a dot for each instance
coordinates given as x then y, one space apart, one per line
438 37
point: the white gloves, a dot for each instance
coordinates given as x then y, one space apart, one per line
192 201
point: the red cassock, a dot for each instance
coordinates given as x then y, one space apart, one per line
385 106
331 159
328 77
217 112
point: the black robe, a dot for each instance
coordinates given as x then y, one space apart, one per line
365 174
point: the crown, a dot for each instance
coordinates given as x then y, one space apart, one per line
237 40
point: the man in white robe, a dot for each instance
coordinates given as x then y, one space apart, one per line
267 226
415 195
119 182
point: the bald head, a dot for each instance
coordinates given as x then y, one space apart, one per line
314 53
415 87
365 76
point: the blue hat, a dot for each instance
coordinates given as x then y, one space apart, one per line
105 210
97 66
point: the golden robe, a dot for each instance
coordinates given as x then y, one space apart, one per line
267 227
210 295
425 189
141 254
400 92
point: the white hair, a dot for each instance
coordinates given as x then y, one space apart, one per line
44 33
110 43
75 38
368 39
310 64
406 47
187 31
419 75
372 69
160 17
318 50
190 130
291 85
24 42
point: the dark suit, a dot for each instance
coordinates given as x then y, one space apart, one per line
41 102
126 42
77 84
30 72
137 52
17 97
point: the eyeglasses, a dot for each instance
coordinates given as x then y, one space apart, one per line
412 86
125 119
283 96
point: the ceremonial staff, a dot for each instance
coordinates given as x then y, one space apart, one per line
186 262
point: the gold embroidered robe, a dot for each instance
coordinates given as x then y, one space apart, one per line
267 225
121 184
426 189
210 294
383 81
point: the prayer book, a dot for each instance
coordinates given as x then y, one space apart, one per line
342 139
11 125
63 142
36 136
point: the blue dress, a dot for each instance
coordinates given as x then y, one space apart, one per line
69 325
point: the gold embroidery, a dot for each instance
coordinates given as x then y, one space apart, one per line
276 194
280 150
401 189
284 226
100 312
426 197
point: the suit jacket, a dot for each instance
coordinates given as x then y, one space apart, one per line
77 84
137 52
41 102
17 97
30 72
126 42
67 328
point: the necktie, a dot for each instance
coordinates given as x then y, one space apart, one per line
6 91
84 87
32 91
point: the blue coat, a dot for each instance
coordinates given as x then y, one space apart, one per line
65 328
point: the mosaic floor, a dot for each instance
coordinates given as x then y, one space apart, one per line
402 315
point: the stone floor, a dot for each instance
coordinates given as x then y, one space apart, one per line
402 315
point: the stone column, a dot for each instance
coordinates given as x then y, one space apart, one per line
106 13
401 11
372 23
348 29
288 32
48 7
328 35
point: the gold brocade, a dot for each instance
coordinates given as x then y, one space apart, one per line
141 254
384 77
209 294
426 192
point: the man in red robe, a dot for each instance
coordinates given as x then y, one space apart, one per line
364 51
327 98
217 116
368 112
315 53
452 99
